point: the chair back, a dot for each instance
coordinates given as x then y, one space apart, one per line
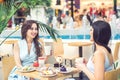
116 51
41 40
10 41
58 49
112 75
7 65
71 52
7 47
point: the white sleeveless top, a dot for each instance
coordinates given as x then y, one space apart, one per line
26 58
107 66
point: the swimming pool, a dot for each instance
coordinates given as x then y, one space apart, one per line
87 37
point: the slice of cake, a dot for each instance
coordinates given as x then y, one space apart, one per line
63 68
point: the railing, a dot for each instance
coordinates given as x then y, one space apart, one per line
80 33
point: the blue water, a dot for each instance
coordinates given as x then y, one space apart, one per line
116 37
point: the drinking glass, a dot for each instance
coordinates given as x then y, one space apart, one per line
59 60
41 61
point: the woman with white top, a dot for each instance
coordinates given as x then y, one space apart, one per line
101 60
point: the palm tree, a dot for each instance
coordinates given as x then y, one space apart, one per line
9 7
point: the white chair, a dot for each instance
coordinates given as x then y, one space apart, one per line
65 51
47 50
70 53
7 47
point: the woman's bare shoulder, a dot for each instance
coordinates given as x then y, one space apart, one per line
99 54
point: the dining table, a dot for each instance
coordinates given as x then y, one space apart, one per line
36 74
80 44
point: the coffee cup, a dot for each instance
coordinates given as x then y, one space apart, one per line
80 60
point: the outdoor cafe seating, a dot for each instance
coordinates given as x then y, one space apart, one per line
8 63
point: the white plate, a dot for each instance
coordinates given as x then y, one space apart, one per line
48 75
68 70
30 70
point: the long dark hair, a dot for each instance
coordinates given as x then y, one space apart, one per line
102 33
25 27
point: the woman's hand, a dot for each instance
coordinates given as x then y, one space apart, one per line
19 66
80 66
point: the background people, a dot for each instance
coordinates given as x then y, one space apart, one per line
67 21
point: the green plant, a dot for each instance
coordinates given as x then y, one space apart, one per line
117 64
9 7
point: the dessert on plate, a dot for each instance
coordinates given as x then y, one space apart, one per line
63 68
47 71
26 69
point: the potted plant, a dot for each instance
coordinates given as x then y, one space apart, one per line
9 7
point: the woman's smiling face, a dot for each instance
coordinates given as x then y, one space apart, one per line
33 31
